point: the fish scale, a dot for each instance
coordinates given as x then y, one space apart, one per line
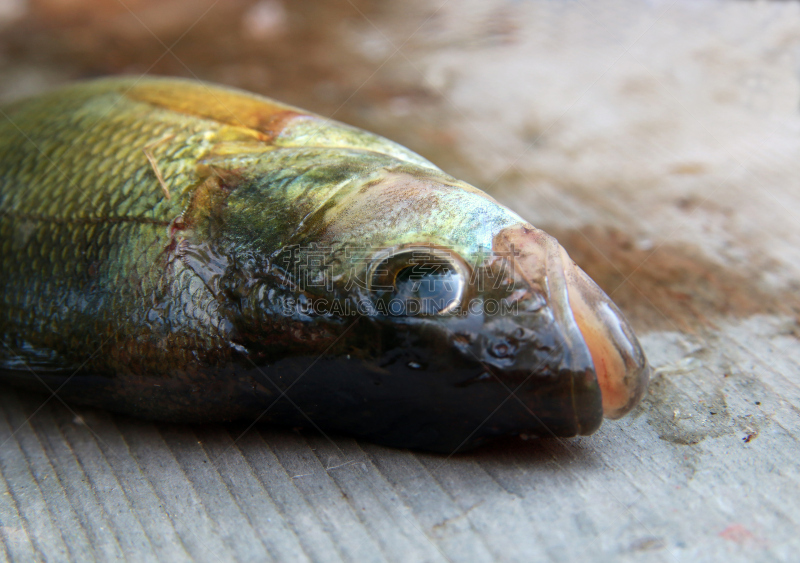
108 178
97 183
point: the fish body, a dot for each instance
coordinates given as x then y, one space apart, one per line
180 251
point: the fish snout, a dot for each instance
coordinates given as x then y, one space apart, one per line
598 340
619 362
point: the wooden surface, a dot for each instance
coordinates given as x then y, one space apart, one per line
658 140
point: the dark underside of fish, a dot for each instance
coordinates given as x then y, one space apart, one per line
179 251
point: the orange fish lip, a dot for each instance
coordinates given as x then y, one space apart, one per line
598 335
619 362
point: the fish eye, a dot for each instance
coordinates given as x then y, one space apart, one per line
418 280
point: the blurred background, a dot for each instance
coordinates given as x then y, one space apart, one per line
658 140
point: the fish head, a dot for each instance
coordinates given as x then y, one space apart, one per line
457 284
454 304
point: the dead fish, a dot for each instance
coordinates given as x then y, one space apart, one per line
185 252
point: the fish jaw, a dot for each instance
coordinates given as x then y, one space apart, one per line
620 364
598 336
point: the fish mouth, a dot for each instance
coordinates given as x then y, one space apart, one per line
601 344
619 362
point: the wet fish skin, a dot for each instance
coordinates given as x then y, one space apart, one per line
181 300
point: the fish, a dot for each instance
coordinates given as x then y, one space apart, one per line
185 252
